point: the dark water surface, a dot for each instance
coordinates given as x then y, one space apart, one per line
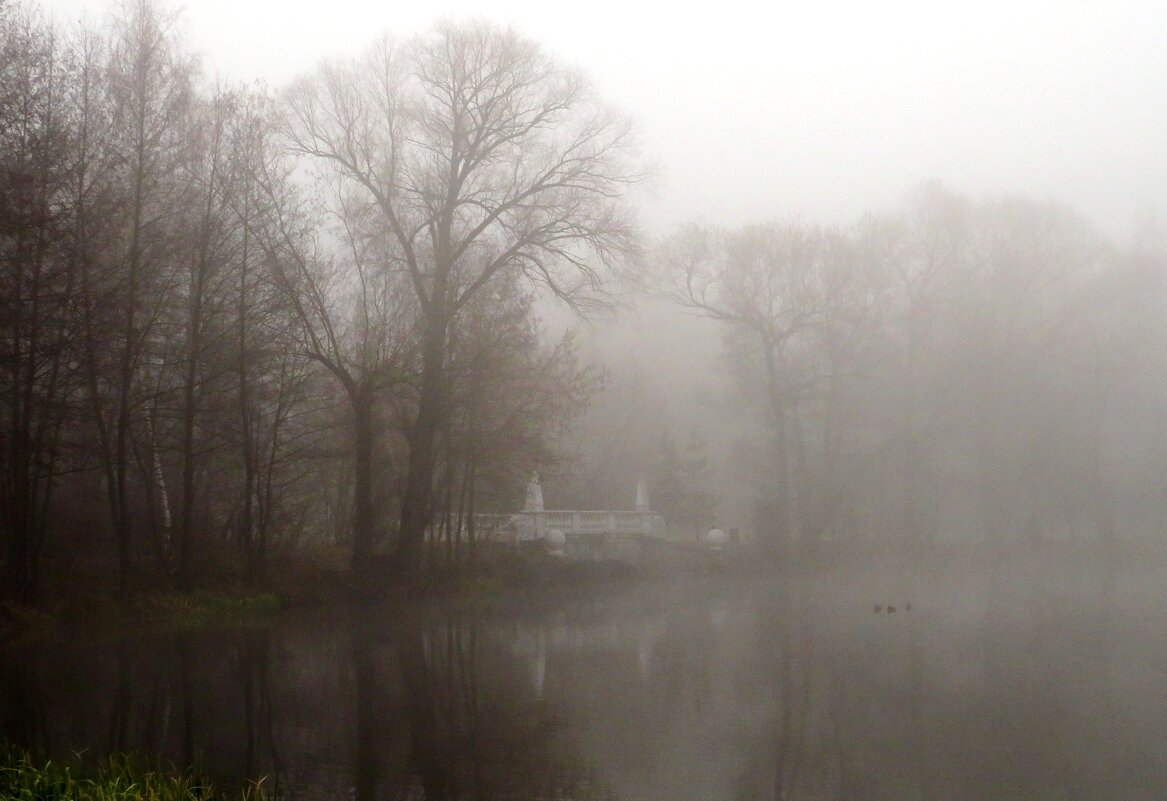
1012 684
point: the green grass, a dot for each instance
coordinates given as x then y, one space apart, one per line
199 609
120 778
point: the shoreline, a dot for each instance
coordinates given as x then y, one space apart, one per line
297 583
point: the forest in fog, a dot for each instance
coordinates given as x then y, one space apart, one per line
239 322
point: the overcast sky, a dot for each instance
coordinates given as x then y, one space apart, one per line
822 110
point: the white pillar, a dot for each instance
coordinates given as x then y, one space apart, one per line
534 495
642 495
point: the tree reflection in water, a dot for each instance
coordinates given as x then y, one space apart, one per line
428 727
1022 684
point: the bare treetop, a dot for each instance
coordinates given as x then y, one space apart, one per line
481 153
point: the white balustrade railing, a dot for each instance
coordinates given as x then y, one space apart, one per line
536 524
571 522
558 520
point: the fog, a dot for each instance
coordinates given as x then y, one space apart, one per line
825 110
595 402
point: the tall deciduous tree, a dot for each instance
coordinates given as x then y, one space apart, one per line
37 279
269 371
477 153
149 84
782 290
513 396
351 307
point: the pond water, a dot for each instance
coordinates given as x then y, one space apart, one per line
1023 683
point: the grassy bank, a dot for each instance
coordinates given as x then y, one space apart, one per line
207 608
200 609
23 778
319 580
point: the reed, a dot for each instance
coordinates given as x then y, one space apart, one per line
118 778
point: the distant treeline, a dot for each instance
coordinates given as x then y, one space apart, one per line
992 371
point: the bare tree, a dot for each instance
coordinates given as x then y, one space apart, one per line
37 279
777 287
478 153
1023 326
351 317
149 89
209 241
270 431
927 250
512 398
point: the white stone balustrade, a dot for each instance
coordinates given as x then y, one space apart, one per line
586 534
574 523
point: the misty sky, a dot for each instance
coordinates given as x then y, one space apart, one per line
823 110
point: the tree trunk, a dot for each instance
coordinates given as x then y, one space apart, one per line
363 478
471 530
190 393
912 455
448 508
246 531
461 525
189 414
416 506
778 415
129 356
